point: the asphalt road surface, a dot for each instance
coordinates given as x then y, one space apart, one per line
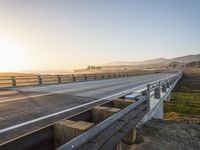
25 109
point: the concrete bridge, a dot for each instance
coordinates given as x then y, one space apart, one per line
95 114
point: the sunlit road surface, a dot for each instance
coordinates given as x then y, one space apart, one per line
26 109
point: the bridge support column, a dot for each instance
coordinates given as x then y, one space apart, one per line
130 137
122 103
66 130
100 113
159 111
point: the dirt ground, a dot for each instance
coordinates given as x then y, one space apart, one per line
168 135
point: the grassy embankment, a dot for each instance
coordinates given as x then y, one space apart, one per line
185 100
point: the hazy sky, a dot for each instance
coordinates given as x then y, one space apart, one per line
66 34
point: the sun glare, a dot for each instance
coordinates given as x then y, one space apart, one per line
12 56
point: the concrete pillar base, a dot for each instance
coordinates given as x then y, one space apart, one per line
159 111
66 130
99 113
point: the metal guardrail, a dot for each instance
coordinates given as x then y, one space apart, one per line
156 88
13 81
153 89
91 133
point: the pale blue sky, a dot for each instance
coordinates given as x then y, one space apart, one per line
75 33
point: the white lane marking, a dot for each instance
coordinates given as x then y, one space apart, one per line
51 93
58 92
63 111
24 97
70 109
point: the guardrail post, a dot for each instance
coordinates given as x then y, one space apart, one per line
39 79
95 77
171 82
148 92
167 84
73 78
59 78
102 76
164 88
85 77
157 92
13 79
144 93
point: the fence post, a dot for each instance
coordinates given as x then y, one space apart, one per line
59 78
13 79
39 79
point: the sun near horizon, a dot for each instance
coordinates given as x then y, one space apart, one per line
65 35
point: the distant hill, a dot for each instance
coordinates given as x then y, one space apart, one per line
193 64
160 61
186 59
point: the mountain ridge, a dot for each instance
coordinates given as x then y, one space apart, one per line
182 59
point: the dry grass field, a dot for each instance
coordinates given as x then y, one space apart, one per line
185 98
180 129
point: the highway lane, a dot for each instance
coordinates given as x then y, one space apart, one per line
83 88
29 103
